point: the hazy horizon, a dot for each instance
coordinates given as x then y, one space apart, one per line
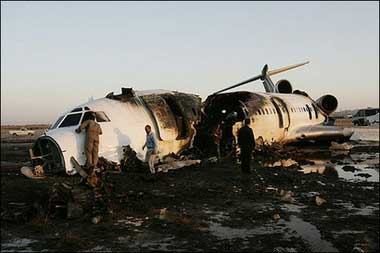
56 55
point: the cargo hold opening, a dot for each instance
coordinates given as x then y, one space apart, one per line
46 152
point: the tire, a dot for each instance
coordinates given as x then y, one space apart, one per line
30 134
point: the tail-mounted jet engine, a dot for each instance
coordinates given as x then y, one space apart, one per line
328 103
284 86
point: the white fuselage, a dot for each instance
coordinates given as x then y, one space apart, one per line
127 121
126 127
265 122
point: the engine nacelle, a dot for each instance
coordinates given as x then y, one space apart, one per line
284 86
328 103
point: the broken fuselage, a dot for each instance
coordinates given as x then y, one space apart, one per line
275 117
122 119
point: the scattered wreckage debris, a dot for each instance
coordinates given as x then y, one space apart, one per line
96 195
17 212
34 173
74 200
319 200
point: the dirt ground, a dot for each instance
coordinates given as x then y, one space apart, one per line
210 207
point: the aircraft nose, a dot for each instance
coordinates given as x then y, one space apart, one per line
47 153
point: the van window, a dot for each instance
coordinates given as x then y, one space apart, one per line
71 120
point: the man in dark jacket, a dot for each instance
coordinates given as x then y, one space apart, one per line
246 141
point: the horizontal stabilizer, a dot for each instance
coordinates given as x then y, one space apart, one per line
283 69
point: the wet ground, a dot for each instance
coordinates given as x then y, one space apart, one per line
328 202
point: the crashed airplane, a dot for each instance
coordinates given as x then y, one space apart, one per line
122 119
277 115
181 120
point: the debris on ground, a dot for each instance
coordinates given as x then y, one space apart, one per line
342 146
130 162
174 165
33 173
191 209
282 163
349 168
319 200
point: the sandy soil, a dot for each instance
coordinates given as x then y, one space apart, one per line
212 207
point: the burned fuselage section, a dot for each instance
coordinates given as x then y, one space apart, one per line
221 113
122 118
275 117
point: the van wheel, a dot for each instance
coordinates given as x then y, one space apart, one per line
14 134
30 134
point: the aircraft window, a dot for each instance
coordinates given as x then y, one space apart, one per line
101 117
194 111
309 111
57 122
79 109
283 109
274 111
259 111
291 109
266 110
86 116
71 120
304 109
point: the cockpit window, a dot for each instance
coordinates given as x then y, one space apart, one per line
57 122
79 109
71 120
86 116
101 117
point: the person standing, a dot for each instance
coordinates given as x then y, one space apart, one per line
93 130
152 147
246 141
217 136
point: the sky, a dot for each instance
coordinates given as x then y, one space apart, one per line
56 55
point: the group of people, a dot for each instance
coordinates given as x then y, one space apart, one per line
246 142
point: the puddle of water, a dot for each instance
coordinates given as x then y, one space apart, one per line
99 249
18 245
161 245
343 232
365 211
309 233
293 227
228 233
362 168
